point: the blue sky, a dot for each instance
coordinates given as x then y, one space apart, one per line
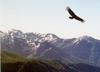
50 16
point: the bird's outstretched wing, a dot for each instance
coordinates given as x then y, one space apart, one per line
70 12
78 18
74 15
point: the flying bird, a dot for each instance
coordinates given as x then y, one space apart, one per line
73 15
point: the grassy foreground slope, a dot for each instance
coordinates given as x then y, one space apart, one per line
7 57
14 63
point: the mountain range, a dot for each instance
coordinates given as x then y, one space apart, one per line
84 49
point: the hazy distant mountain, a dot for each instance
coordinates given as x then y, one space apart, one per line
87 48
48 46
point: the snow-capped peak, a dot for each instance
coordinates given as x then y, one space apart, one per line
87 38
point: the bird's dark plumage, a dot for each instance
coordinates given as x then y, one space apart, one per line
73 15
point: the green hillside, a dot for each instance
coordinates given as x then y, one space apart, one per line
13 63
7 57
